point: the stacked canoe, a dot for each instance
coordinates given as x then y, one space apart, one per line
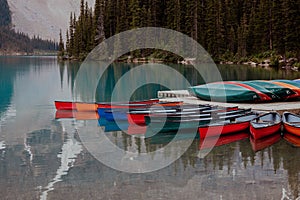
157 120
248 91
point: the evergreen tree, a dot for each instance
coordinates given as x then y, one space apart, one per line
61 48
241 28
67 42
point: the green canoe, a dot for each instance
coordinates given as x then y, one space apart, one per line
294 83
282 92
273 96
224 93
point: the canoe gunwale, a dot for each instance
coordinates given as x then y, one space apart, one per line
259 123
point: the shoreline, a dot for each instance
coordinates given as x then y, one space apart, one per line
276 62
35 53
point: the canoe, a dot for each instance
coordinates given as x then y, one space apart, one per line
282 92
297 80
129 104
168 125
211 142
86 107
290 82
65 105
214 113
265 142
228 126
291 123
292 139
138 106
295 87
138 116
263 93
265 124
115 115
224 93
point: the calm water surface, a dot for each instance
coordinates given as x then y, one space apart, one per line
43 158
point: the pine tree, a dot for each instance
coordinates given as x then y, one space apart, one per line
67 42
100 34
61 48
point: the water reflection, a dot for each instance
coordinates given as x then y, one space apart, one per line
116 70
42 157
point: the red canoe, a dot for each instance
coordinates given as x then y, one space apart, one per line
226 127
84 106
265 142
127 104
291 123
265 125
65 105
138 117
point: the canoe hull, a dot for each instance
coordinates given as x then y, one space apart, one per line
217 130
265 124
86 107
292 129
291 123
137 118
115 116
258 133
224 93
294 88
65 105
282 92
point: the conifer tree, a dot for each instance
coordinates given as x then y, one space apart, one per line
67 42
61 48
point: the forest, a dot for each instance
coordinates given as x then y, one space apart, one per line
12 42
227 29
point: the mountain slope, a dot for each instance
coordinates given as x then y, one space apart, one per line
43 17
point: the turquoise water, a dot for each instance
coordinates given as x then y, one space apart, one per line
44 158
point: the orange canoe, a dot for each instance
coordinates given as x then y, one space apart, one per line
291 123
86 107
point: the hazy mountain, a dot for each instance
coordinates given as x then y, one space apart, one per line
43 17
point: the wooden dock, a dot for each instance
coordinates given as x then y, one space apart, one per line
183 95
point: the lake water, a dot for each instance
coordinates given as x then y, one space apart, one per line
44 158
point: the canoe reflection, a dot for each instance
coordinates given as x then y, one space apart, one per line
210 142
265 142
79 115
292 139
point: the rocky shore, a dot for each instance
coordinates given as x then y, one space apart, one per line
289 64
